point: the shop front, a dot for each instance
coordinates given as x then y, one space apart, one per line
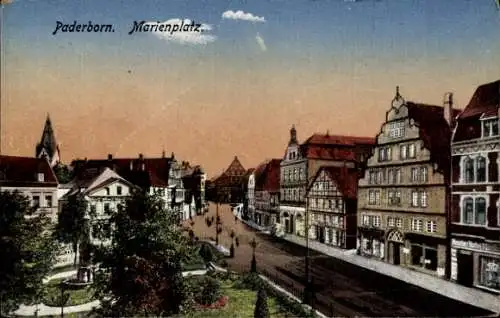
370 242
476 263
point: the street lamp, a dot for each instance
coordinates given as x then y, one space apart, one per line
309 289
253 244
218 224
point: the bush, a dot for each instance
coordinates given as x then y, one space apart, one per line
206 253
209 291
251 281
261 308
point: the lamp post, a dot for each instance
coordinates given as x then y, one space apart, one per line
253 267
218 224
308 290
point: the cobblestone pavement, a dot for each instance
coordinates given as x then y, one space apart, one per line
341 289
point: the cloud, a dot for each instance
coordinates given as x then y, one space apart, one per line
240 15
260 42
186 31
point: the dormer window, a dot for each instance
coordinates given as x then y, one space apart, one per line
40 177
490 127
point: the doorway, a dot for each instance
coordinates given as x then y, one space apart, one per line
465 267
396 253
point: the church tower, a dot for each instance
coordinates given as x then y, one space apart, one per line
48 147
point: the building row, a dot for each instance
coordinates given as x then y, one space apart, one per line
422 194
104 183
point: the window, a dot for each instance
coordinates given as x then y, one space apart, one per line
48 201
414 199
399 223
301 174
417 225
481 169
371 197
431 226
411 151
414 174
398 176
490 128
93 209
397 129
480 211
394 197
119 190
391 222
366 220
40 177
489 272
474 211
423 174
376 221
384 154
106 207
390 176
107 191
403 152
423 199
469 170
377 197
36 201
424 256
295 174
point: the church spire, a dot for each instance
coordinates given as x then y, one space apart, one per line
48 146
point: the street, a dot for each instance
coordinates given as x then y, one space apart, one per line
341 289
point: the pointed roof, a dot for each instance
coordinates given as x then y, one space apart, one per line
48 140
23 172
235 168
345 178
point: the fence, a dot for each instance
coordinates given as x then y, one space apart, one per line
276 278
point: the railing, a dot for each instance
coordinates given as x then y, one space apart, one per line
292 288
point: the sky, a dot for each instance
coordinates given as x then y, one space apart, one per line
236 88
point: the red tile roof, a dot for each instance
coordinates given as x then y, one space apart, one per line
334 147
267 176
345 178
484 103
327 139
23 172
155 173
434 131
486 100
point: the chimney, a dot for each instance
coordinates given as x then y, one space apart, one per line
448 109
141 156
110 157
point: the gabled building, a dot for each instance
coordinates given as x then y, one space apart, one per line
475 204
193 179
162 176
403 196
48 147
300 164
32 177
267 191
105 191
230 186
331 206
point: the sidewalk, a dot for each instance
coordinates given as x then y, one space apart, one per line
252 224
443 287
44 310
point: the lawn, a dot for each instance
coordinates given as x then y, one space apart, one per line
62 269
241 304
76 297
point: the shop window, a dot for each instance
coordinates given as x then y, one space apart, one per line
424 256
489 275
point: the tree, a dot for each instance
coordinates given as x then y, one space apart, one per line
141 271
261 308
72 226
27 251
63 173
